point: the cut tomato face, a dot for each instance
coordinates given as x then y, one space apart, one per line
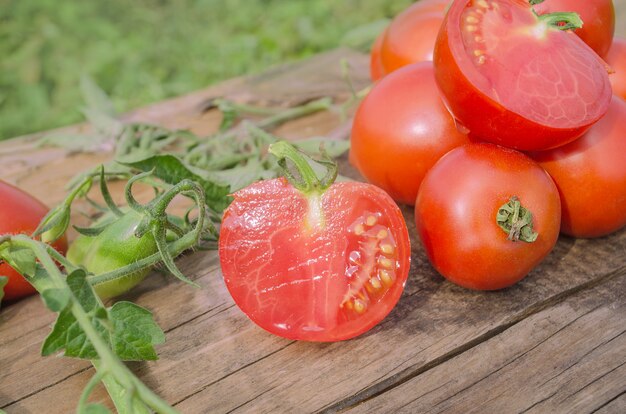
514 79
316 267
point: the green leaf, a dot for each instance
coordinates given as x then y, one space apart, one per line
172 170
333 147
82 290
94 409
134 332
21 259
3 281
56 299
95 98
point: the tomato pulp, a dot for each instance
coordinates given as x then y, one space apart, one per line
318 267
457 212
401 129
512 79
590 174
20 213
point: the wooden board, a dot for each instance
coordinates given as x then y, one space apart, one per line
452 345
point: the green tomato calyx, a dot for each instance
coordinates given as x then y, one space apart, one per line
516 221
297 167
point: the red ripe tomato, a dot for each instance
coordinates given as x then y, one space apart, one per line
20 213
459 203
401 129
598 18
411 35
513 80
319 266
377 70
616 58
590 174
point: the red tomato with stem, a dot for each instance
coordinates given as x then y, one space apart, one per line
410 36
598 18
20 213
401 129
590 174
310 260
616 58
514 79
487 215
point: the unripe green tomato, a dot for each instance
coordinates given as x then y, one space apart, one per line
116 247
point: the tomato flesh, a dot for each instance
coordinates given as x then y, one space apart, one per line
512 80
315 268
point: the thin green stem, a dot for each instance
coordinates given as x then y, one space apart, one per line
93 381
297 112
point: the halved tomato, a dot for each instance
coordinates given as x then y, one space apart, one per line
515 79
318 266
598 18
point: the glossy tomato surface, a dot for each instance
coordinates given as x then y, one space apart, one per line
20 213
598 18
590 174
456 212
316 268
616 58
401 129
410 36
512 80
377 70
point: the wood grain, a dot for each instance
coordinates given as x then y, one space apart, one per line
216 360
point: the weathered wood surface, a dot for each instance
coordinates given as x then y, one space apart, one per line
554 342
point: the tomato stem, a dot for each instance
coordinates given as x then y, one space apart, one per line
305 178
516 221
561 20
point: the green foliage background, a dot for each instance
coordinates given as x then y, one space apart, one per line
141 51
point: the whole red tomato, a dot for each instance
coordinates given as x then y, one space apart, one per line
512 79
409 38
401 129
616 58
590 174
321 263
465 201
20 213
598 18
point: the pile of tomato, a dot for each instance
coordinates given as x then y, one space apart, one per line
497 119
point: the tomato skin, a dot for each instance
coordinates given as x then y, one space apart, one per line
400 130
409 38
377 70
20 213
590 174
290 269
456 212
598 18
117 246
616 59
488 119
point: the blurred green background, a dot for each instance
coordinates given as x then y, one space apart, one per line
143 51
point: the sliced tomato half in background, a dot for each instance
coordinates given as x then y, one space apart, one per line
598 18
315 267
512 79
